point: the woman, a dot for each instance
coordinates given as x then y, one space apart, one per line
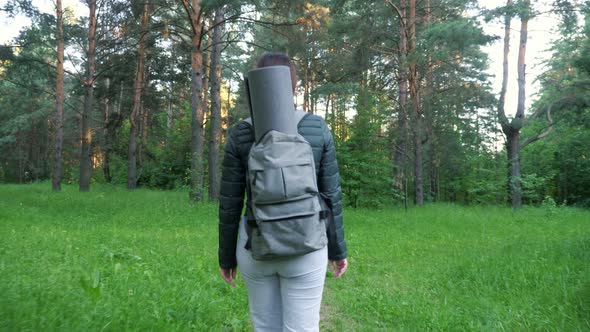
284 294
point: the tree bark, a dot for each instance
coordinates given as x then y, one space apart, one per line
170 108
59 102
181 102
140 137
417 124
215 120
169 118
399 158
512 128
502 101
326 113
206 79
106 167
518 120
306 86
85 151
111 123
134 116
196 180
514 183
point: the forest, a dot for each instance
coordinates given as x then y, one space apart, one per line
144 94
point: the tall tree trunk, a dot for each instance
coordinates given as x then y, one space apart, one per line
169 118
85 151
140 136
196 180
206 80
59 102
426 105
106 167
134 116
399 158
312 83
225 118
514 184
518 120
418 123
111 123
306 87
326 113
215 120
181 102
418 164
170 108
512 128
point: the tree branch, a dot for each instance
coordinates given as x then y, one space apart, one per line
23 59
33 87
188 12
398 11
544 133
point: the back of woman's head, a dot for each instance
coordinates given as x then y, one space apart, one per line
278 59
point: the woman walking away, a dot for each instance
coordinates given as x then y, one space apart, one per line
284 290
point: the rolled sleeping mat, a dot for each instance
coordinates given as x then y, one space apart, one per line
271 100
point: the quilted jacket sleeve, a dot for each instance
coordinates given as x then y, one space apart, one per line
329 186
231 202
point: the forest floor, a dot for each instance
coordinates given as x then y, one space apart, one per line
115 260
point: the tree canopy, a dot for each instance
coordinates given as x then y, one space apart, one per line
151 90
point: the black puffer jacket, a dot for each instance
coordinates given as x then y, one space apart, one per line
233 185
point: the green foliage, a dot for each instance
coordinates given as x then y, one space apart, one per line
535 188
560 161
116 260
349 66
365 165
24 111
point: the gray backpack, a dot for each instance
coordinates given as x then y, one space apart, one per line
286 216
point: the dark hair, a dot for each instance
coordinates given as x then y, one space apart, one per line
278 59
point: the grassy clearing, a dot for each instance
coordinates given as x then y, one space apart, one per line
115 260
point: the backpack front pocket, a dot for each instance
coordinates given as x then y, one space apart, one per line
299 180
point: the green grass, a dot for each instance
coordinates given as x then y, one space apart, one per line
114 260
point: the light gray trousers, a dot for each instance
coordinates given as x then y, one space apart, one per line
283 294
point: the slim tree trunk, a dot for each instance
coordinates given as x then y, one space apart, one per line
85 151
426 101
196 180
140 136
215 139
418 124
512 128
514 184
399 158
59 102
225 117
106 167
181 102
313 97
418 164
518 120
134 116
206 79
306 87
169 118
170 108
326 113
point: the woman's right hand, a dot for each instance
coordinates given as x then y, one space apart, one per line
229 275
339 267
